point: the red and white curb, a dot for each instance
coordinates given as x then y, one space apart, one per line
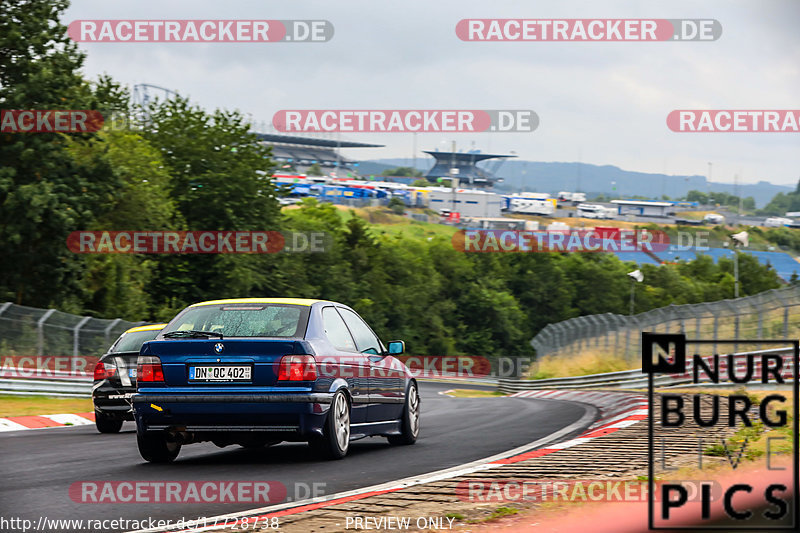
617 410
16 423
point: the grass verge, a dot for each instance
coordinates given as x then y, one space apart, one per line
12 405
585 363
472 393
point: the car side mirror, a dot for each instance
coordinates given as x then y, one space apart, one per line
397 347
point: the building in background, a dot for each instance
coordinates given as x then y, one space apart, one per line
463 166
644 208
467 202
298 154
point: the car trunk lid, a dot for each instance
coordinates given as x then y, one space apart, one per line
212 361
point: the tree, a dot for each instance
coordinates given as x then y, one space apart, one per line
117 285
782 203
402 171
44 193
697 196
421 183
397 205
220 177
314 170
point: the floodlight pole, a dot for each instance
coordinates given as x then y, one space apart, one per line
735 272
453 176
633 293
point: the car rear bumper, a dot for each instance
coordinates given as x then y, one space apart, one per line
113 402
288 415
294 397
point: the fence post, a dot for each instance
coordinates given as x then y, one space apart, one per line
107 331
627 341
40 331
716 330
760 326
785 322
76 334
697 334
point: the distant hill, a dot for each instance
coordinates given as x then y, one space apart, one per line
553 177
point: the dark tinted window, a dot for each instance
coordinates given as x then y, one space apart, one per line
132 342
244 320
366 341
336 331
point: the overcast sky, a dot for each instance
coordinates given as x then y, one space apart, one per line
599 103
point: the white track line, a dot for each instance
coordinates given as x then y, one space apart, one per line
438 475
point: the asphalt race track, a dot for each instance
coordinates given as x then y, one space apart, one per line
38 466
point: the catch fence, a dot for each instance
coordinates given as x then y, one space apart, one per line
773 314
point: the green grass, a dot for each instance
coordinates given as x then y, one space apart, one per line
471 393
11 405
589 361
756 445
500 512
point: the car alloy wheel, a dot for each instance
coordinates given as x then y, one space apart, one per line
341 422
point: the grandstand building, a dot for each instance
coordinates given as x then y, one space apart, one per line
299 153
463 166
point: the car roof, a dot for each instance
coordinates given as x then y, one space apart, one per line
148 327
289 301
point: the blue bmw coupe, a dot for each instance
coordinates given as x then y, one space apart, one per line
259 371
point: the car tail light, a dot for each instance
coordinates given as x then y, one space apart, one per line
297 368
148 370
104 370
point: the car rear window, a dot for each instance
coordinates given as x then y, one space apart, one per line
245 320
132 342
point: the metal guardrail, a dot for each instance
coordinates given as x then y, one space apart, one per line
629 379
73 388
625 379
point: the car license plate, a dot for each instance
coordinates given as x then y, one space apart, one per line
220 373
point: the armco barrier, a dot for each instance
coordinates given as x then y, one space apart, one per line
75 388
626 379
82 387
635 379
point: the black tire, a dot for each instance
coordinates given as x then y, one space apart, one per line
154 447
409 423
106 424
335 441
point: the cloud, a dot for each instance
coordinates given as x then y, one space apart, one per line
606 101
